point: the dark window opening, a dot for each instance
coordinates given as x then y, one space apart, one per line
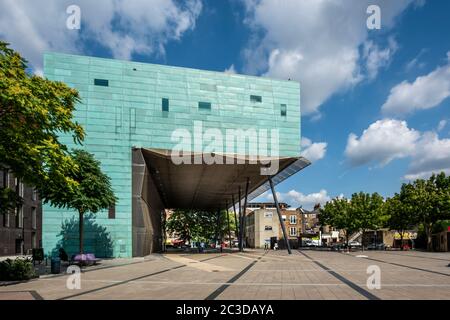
112 212
204 105
101 82
255 98
283 110
165 104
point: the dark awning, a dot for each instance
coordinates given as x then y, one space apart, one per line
209 187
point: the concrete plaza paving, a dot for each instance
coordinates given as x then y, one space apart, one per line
254 274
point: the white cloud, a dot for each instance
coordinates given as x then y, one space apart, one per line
230 70
296 199
313 151
441 125
431 155
424 93
377 58
123 27
384 141
316 42
415 63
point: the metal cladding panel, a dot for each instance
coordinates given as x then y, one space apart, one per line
128 113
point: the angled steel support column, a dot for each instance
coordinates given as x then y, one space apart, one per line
240 220
244 210
236 222
217 227
283 227
228 221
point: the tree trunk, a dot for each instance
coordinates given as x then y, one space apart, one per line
81 230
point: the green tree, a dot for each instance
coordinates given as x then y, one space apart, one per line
431 199
339 214
198 225
402 216
367 211
93 192
33 113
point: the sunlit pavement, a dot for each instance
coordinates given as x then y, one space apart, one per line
254 274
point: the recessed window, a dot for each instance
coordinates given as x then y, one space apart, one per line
112 212
255 98
204 105
293 219
293 231
268 214
101 82
165 104
283 110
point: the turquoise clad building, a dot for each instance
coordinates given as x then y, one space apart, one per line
129 111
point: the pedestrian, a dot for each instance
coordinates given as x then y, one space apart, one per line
202 247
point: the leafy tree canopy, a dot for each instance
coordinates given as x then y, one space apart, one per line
33 112
196 225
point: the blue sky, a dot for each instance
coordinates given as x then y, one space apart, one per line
374 102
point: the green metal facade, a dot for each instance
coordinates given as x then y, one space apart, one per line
128 112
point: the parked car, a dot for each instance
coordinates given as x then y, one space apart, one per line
311 243
376 246
354 244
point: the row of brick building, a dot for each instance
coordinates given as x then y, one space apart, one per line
21 228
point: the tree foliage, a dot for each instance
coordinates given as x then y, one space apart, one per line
197 225
431 200
424 202
33 113
367 210
338 214
93 192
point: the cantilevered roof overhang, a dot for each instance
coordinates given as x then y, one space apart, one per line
210 186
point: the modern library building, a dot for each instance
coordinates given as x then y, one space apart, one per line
171 137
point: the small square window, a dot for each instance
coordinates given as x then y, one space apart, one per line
283 110
204 105
255 98
101 82
112 212
165 104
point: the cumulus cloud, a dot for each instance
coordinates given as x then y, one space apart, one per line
313 151
388 139
296 199
384 141
430 155
425 92
319 43
122 27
